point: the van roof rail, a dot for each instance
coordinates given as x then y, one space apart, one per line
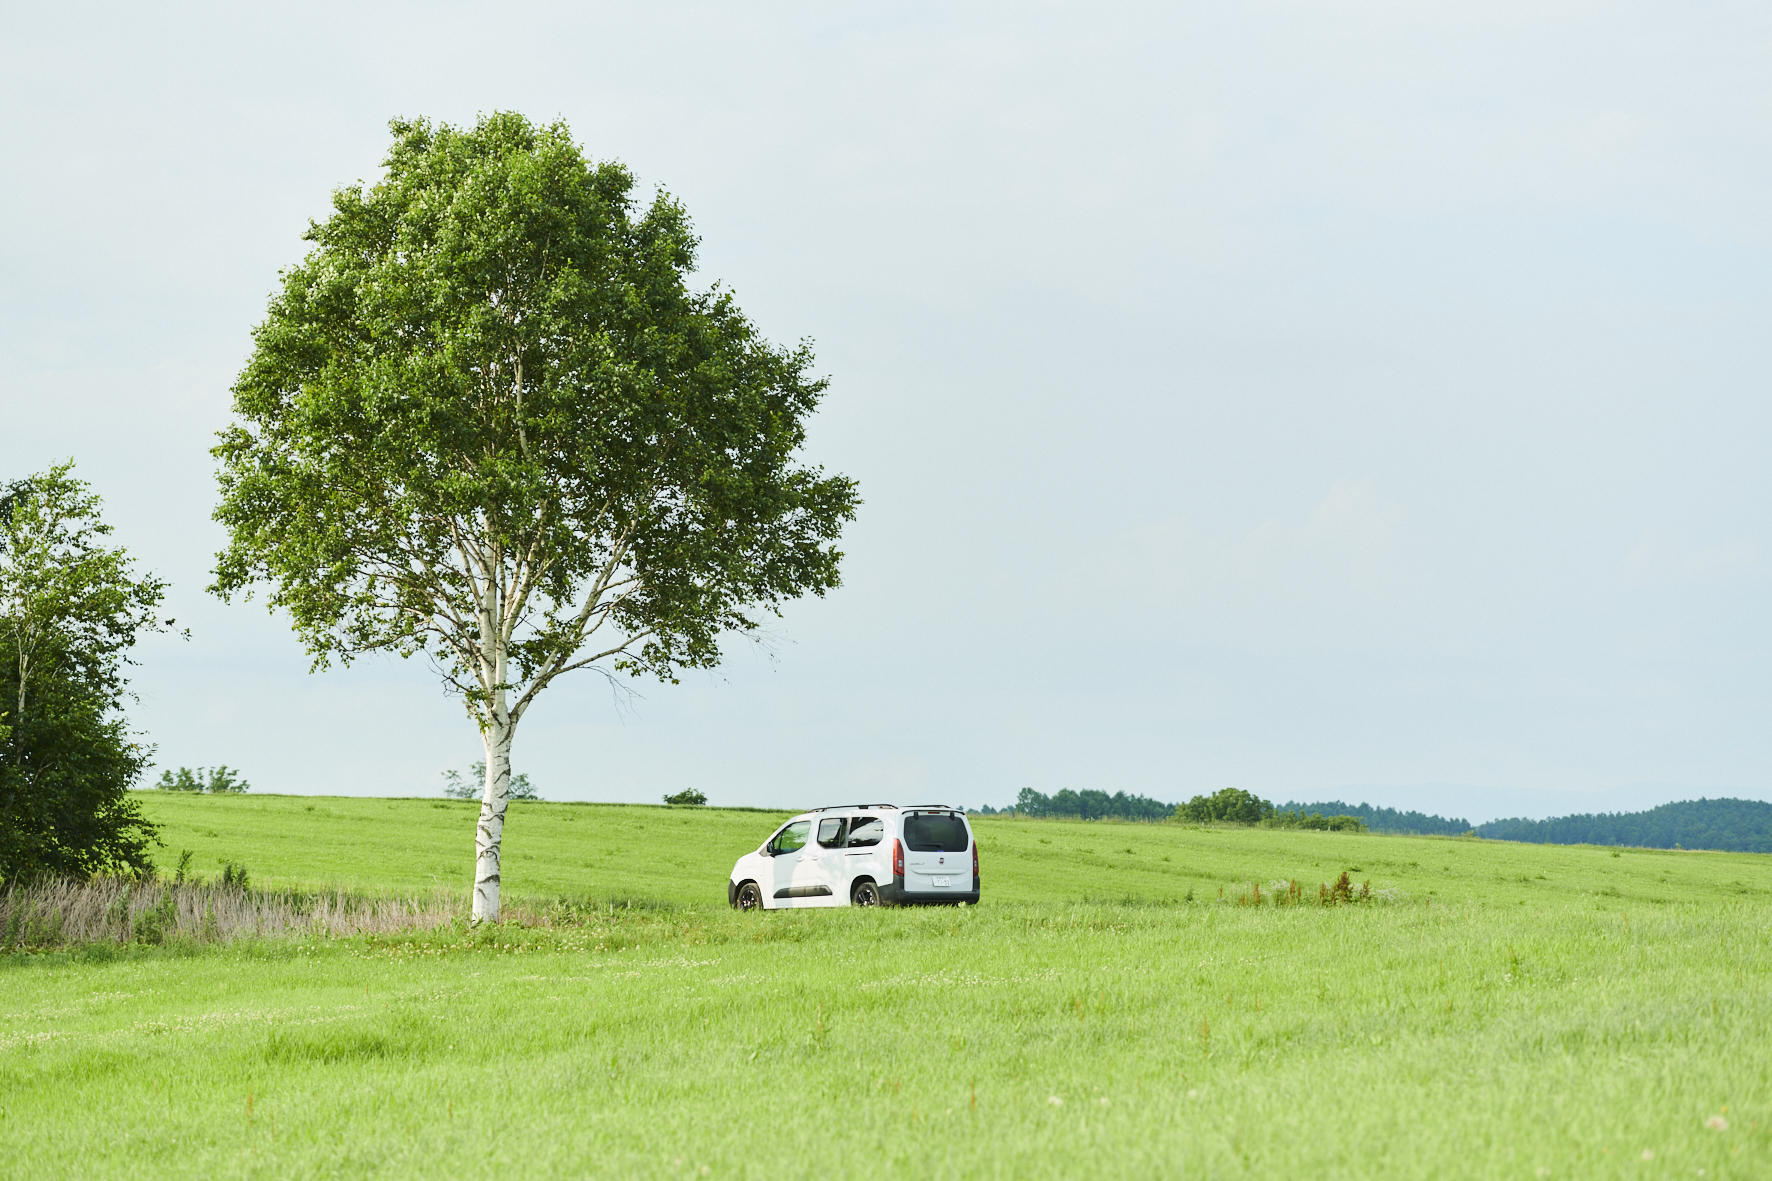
894 807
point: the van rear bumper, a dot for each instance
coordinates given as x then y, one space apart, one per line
893 893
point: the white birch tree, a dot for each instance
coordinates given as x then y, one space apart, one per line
487 420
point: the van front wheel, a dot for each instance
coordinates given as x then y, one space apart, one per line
864 894
750 897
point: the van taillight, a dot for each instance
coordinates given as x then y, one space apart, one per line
975 859
897 858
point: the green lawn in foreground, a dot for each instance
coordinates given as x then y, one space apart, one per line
1483 1021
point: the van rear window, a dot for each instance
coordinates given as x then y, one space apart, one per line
935 832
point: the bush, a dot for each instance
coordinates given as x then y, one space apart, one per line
687 798
222 780
159 922
1341 892
1089 804
1230 805
1314 821
71 607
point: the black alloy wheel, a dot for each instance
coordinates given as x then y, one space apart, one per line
864 894
750 897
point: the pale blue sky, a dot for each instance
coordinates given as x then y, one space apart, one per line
1361 399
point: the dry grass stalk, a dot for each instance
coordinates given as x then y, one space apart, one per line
63 913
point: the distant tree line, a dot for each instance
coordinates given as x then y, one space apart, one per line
1389 819
1299 818
1232 805
1088 804
1733 825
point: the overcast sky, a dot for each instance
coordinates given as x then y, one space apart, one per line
1351 399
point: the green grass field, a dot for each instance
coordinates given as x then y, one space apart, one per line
1109 1010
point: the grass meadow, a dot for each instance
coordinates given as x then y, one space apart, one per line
1118 1006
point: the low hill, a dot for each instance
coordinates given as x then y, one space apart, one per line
1725 825
1730 825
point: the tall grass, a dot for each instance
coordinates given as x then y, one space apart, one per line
61 913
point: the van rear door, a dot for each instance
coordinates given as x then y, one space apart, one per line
937 853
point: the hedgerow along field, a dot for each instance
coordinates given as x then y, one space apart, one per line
1118 1006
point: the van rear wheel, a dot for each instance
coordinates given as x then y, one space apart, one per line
864 894
750 897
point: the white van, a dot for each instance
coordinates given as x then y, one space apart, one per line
861 855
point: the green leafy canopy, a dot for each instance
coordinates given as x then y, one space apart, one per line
67 598
71 607
487 419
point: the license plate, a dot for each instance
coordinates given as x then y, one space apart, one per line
940 881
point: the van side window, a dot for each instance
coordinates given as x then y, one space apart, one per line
792 838
865 831
830 832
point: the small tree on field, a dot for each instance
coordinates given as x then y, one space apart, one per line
1230 805
71 607
486 419
687 798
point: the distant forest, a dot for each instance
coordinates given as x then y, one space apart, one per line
1738 826
1741 826
1389 819
1084 805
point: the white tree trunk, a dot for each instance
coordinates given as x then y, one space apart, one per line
495 734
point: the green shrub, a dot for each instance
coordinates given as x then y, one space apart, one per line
687 798
1313 821
157 924
220 780
1230 805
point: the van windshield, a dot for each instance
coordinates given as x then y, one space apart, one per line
935 832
